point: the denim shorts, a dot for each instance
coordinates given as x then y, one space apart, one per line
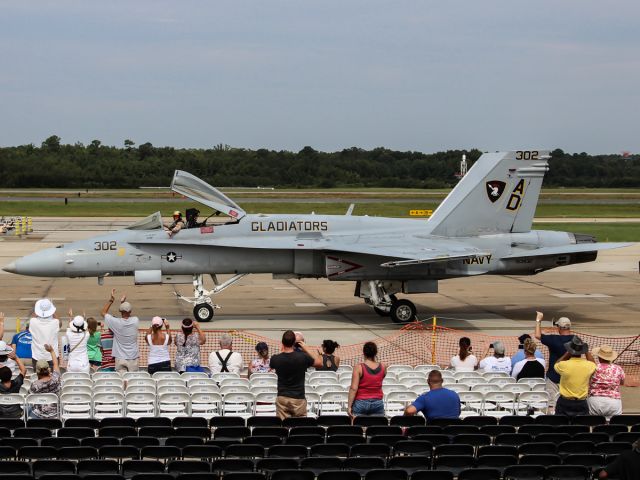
367 407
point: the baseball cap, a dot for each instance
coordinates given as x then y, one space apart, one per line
563 322
125 307
261 346
498 347
4 348
157 321
44 308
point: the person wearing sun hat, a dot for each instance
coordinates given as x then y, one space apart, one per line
575 373
44 328
158 341
604 388
7 359
78 337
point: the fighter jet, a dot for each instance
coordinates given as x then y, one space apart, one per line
482 227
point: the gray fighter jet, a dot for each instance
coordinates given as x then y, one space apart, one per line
482 227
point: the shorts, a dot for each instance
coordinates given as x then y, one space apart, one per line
123 365
95 363
290 407
159 367
571 408
605 406
368 406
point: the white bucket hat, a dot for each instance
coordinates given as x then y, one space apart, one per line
78 323
44 308
4 348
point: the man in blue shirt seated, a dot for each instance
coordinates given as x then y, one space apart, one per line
438 402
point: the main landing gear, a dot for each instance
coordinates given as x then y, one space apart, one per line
203 306
386 304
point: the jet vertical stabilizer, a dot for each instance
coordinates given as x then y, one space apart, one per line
498 195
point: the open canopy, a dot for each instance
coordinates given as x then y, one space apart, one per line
191 186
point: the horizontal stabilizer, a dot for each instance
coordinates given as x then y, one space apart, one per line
565 249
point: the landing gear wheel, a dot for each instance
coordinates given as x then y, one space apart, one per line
203 312
381 311
403 311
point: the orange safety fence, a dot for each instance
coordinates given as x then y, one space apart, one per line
417 343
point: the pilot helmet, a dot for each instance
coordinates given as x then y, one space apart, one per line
177 213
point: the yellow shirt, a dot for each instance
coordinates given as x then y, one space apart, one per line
575 374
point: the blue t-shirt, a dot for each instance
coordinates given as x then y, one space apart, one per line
555 344
520 356
439 403
22 341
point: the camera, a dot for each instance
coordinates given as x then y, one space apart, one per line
491 345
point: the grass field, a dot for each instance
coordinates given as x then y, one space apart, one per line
604 232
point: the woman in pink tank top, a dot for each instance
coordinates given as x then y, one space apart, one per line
365 393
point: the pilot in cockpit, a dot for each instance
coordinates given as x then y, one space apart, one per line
192 218
177 225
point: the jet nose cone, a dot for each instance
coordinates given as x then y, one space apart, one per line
11 268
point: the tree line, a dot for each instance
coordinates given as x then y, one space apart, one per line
57 165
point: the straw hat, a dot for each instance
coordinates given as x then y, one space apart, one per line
605 352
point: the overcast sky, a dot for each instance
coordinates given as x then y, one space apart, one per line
407 75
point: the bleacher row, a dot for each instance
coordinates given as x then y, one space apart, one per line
328 447
137 394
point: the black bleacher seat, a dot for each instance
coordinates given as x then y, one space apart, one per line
479 420
524 472
135 467
5 432
370 450
498 462
627 420
245 476
389 440
386 474
18 442
594 437
300 422
540 459
568 472
553 419
198 422
410 464
372 421
610 429
589 420
454 463
306 440
224 421
383 430
363 464
37 452
161 452
432 438
153 422
225 466
60 442
345 439
284 451
198 476
152 476
59 476
345 430
475 439
339 475
76 432
321 464
591 460
613 448
404 421
453 430
573 446
537 448
535 429
516 420
177 467
97 467
635 428
244 450
223 442
413 447
7 452
497 450
444 422
11 423
331 420
119 452
77 453
480 474
92 423
267 421
307 430
231 432
281 432
432 475
14 467
553 437
495 430
118 422
118 432
512 439
140 442
270 465
628 437
329 450
53 467
181 442
453 449
265 441
572 430
289 474
32 432
103 476
156 431
48 423
424 430
203 452
202 432
98 442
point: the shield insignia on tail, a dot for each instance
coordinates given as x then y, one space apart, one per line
495 189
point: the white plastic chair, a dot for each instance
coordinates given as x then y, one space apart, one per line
516 388
75 375
499 403
234 382
206 404
396 402
77 389
502 380
323 374
163 375
35 400
234 389
412 374
410 382
490 375
192 382
140 404
238 404
170 382
174 405
13 399
471 403
484 387
344 368
78 382
265 403
426 368
334 402
538 402
313 403
323 381
172 389
186 376
393 387
108 404
533 381
139 374
419 390
257 390
399 368
334 387
107 389
458 387
474 373
141 382
76 405
263 381
204 389
218 377
476 380
104 374
263 375
539 387
110 382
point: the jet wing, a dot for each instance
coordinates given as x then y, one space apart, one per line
191 186
562 249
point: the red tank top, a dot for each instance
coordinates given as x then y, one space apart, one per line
370 387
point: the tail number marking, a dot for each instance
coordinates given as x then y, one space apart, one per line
516 196
526 155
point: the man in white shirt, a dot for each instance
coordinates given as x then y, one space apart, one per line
125 349
225 359
497 362
44 328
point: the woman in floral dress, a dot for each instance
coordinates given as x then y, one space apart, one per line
188 342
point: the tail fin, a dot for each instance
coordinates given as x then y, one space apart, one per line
499 194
